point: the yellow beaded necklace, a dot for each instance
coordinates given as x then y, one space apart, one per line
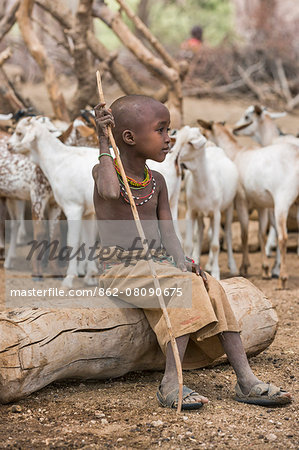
133 183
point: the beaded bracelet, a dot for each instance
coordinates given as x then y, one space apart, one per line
190 260
103 154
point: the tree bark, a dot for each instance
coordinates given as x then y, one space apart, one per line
143 11
10 100
39 54
63 15
140 26
83 68
8 20
3 6
118 72
253 86
169 76
4 55
39 346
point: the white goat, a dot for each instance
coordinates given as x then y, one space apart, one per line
22 180
269 178
211 187
171 171
68 170
258 123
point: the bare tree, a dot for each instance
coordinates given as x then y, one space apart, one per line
3 6
39 53
10 99
163 66
8 19
83 48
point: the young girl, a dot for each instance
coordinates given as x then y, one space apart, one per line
202 320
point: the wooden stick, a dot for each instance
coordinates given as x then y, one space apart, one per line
146 248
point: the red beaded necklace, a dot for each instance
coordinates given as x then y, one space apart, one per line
144 199
133 183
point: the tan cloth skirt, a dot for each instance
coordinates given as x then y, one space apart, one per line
192 310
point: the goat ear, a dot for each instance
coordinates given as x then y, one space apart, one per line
30 135
85 131
63 137
178 166
205 124
198 141
88 117
276 115
6 116
258 110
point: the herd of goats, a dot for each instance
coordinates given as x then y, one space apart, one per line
51 165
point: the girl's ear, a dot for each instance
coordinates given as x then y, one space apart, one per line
128 137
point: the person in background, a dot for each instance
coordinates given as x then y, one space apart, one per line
193 44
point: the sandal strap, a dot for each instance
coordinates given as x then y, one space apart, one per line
171 398
259 389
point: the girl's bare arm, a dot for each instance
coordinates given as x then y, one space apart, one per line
104 173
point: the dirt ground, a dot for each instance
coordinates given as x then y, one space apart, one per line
123 413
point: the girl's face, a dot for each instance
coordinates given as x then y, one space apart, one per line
151 139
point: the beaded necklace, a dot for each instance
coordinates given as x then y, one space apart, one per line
144 199
133 183
148 177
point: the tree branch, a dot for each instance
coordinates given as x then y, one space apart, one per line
293 103
168 75
38 52
6 54
9 19
247 80
11 98
8 93
140 26
59 11
114 21
283 80
212 88
52 35
64 16
86 86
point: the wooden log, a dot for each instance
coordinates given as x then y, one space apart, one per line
38 346
254 312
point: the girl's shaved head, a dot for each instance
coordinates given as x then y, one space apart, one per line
132 112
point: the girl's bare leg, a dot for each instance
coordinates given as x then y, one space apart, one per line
170 378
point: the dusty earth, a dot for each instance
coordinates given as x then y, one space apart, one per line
123 413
